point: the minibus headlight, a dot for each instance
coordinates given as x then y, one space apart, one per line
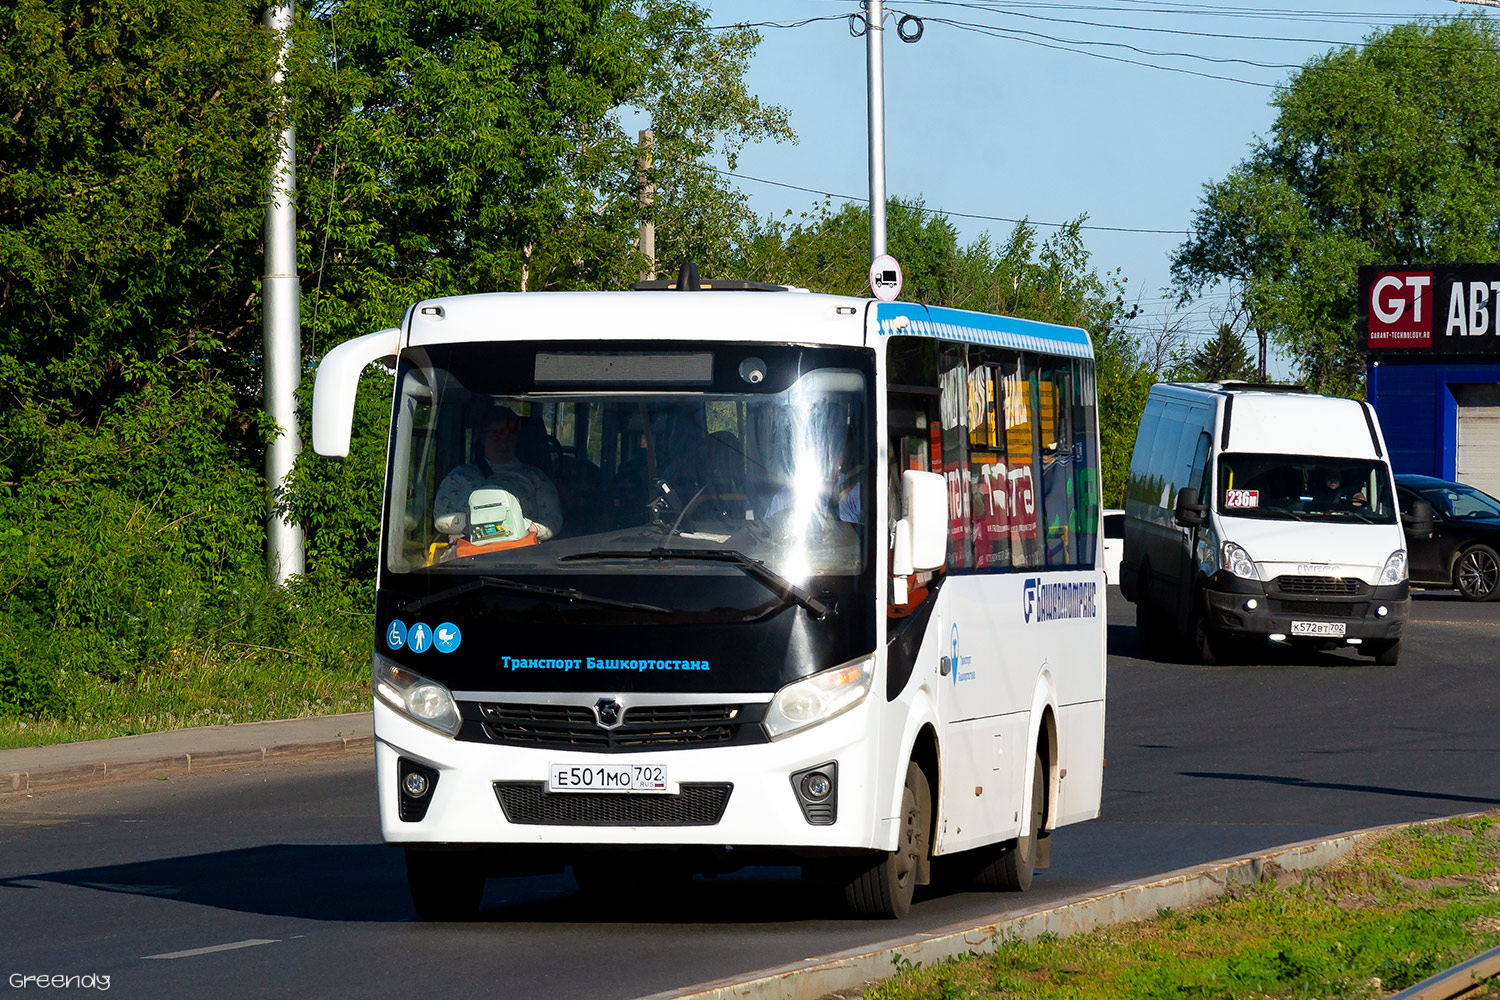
416 697
818 698
1395 569
1238 562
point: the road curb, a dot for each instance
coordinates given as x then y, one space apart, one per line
20 784
815 978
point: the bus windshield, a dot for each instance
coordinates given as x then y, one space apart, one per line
1305 487
557 460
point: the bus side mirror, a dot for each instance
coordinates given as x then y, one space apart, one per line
338 383
926 501
1418 523
1189 512
901 550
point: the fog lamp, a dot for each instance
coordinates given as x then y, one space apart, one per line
1251 604
1382 611
415 784
816 786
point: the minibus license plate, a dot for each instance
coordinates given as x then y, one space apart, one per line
1317 628
646 778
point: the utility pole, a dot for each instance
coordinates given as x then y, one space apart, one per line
875 73
281 297
646 193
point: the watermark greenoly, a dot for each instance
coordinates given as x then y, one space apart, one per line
58 981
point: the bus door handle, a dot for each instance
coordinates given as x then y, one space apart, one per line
944 665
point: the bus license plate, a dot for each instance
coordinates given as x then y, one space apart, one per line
647 778
1317 628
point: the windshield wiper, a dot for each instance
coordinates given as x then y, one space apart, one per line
773 580
500 583
1263 511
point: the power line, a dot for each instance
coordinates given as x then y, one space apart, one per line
959 215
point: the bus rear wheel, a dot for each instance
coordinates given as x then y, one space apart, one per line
444 885
883 886
1014 864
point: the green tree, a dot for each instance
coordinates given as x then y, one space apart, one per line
1384 153
1218 359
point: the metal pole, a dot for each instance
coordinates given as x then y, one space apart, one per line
646 193
875 64
281 296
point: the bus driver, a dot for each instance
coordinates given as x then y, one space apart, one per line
498 467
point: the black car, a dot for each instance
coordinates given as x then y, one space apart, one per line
1464 550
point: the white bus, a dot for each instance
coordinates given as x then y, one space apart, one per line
679 581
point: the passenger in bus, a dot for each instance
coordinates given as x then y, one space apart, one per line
497 467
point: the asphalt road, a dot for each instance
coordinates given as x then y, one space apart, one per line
273 883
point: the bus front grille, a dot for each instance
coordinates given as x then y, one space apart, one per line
529 803
642 727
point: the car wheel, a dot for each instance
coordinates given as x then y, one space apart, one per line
1477 574
1386 653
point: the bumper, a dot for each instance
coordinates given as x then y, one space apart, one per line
761 810
1373 613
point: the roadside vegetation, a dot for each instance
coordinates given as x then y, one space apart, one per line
1390 914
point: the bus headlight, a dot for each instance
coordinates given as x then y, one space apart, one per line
824 695
416 697
1395 569
1238 562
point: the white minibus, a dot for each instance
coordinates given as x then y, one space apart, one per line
1263 512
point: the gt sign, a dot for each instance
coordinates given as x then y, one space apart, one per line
1446 309
1400 306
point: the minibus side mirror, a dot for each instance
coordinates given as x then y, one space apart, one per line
1418 523
1189 512
926 502
338 383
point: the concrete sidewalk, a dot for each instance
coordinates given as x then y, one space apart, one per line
31 770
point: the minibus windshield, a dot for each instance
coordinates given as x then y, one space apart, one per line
1305 487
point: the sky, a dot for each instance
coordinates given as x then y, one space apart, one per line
1121 110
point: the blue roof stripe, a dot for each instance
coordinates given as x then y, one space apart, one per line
983 328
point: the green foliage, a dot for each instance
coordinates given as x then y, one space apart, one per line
1388 153
130 196
1217 360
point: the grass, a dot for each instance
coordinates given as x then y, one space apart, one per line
1387 916
252 688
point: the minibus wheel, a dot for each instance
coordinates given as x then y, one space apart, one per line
883 885
1386 653
1212 645
444 885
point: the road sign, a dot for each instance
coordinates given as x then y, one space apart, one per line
885 278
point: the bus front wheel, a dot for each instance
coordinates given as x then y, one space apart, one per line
444 885
883 886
